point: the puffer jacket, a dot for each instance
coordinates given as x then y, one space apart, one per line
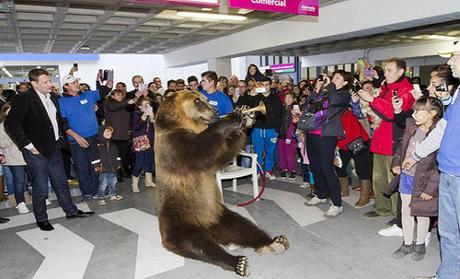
426 178
105 158
384 138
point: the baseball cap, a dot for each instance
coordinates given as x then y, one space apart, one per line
453 49
69 79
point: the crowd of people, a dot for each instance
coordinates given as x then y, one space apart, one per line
399 134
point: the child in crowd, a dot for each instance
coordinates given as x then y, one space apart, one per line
307 175
286 140
143 136
106 163
418 186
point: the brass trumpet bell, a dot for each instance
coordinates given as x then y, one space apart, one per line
261 108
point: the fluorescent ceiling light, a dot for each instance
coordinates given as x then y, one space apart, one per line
7 72
440 37
85 47
211 16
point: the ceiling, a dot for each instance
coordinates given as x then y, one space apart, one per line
405 36
114 26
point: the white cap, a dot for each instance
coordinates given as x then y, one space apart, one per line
69 79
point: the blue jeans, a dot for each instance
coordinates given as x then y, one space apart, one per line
19 182
87 177
246 161
40 169
264 141
143 160
9 180
107 180
449 226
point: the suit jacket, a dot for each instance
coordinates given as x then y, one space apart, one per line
28 122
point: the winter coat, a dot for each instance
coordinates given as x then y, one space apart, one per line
11 152
142 127
105 158
353 130
426 178
385 137
338 101
118 117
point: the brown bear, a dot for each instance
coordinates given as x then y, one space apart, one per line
191 144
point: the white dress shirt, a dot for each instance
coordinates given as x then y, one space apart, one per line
51 111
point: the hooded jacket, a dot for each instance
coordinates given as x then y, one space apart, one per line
105 158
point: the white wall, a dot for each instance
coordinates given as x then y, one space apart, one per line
124 66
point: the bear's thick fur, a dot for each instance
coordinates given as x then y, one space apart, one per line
190 146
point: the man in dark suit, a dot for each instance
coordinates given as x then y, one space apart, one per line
35 125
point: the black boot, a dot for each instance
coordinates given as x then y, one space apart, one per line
419 252
404 250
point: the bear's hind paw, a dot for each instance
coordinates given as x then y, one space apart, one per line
242 267
278 246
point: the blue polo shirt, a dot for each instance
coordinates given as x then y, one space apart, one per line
80 114
219 101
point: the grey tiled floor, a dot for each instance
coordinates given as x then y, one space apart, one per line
344 247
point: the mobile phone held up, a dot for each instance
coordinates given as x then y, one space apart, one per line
75 67
395 93
260 90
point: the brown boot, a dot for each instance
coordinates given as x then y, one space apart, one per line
344 186
365 190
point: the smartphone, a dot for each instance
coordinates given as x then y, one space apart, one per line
142 87
110 75
75 66
296 108
395 93
106 75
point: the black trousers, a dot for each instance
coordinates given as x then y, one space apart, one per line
321 155
125 156
362 164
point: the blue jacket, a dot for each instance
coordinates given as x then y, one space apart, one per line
449 155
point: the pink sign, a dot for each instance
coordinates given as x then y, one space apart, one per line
300 7
198 3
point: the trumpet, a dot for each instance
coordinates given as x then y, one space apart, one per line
261 108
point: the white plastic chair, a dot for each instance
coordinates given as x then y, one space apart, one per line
233 171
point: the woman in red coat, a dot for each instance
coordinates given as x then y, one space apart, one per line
356 139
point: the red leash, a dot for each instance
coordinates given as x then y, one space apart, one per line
264 180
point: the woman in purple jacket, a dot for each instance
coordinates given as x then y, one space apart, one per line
143 135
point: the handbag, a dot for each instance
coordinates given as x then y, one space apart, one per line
141 143
357 146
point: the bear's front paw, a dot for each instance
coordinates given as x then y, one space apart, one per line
278 246
242 266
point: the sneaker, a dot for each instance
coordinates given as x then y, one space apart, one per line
270 175
116 197
427 239
305 185
391 231
333 211
22 208
292 175
101 202
284 174
404 250
418 252
315 201
47 202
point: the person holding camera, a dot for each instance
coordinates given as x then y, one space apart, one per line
322 138
387 133
442 84
143 136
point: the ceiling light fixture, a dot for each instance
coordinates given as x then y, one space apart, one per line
85 47
7 72
211 16
441 37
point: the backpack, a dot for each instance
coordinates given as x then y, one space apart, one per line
314 116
